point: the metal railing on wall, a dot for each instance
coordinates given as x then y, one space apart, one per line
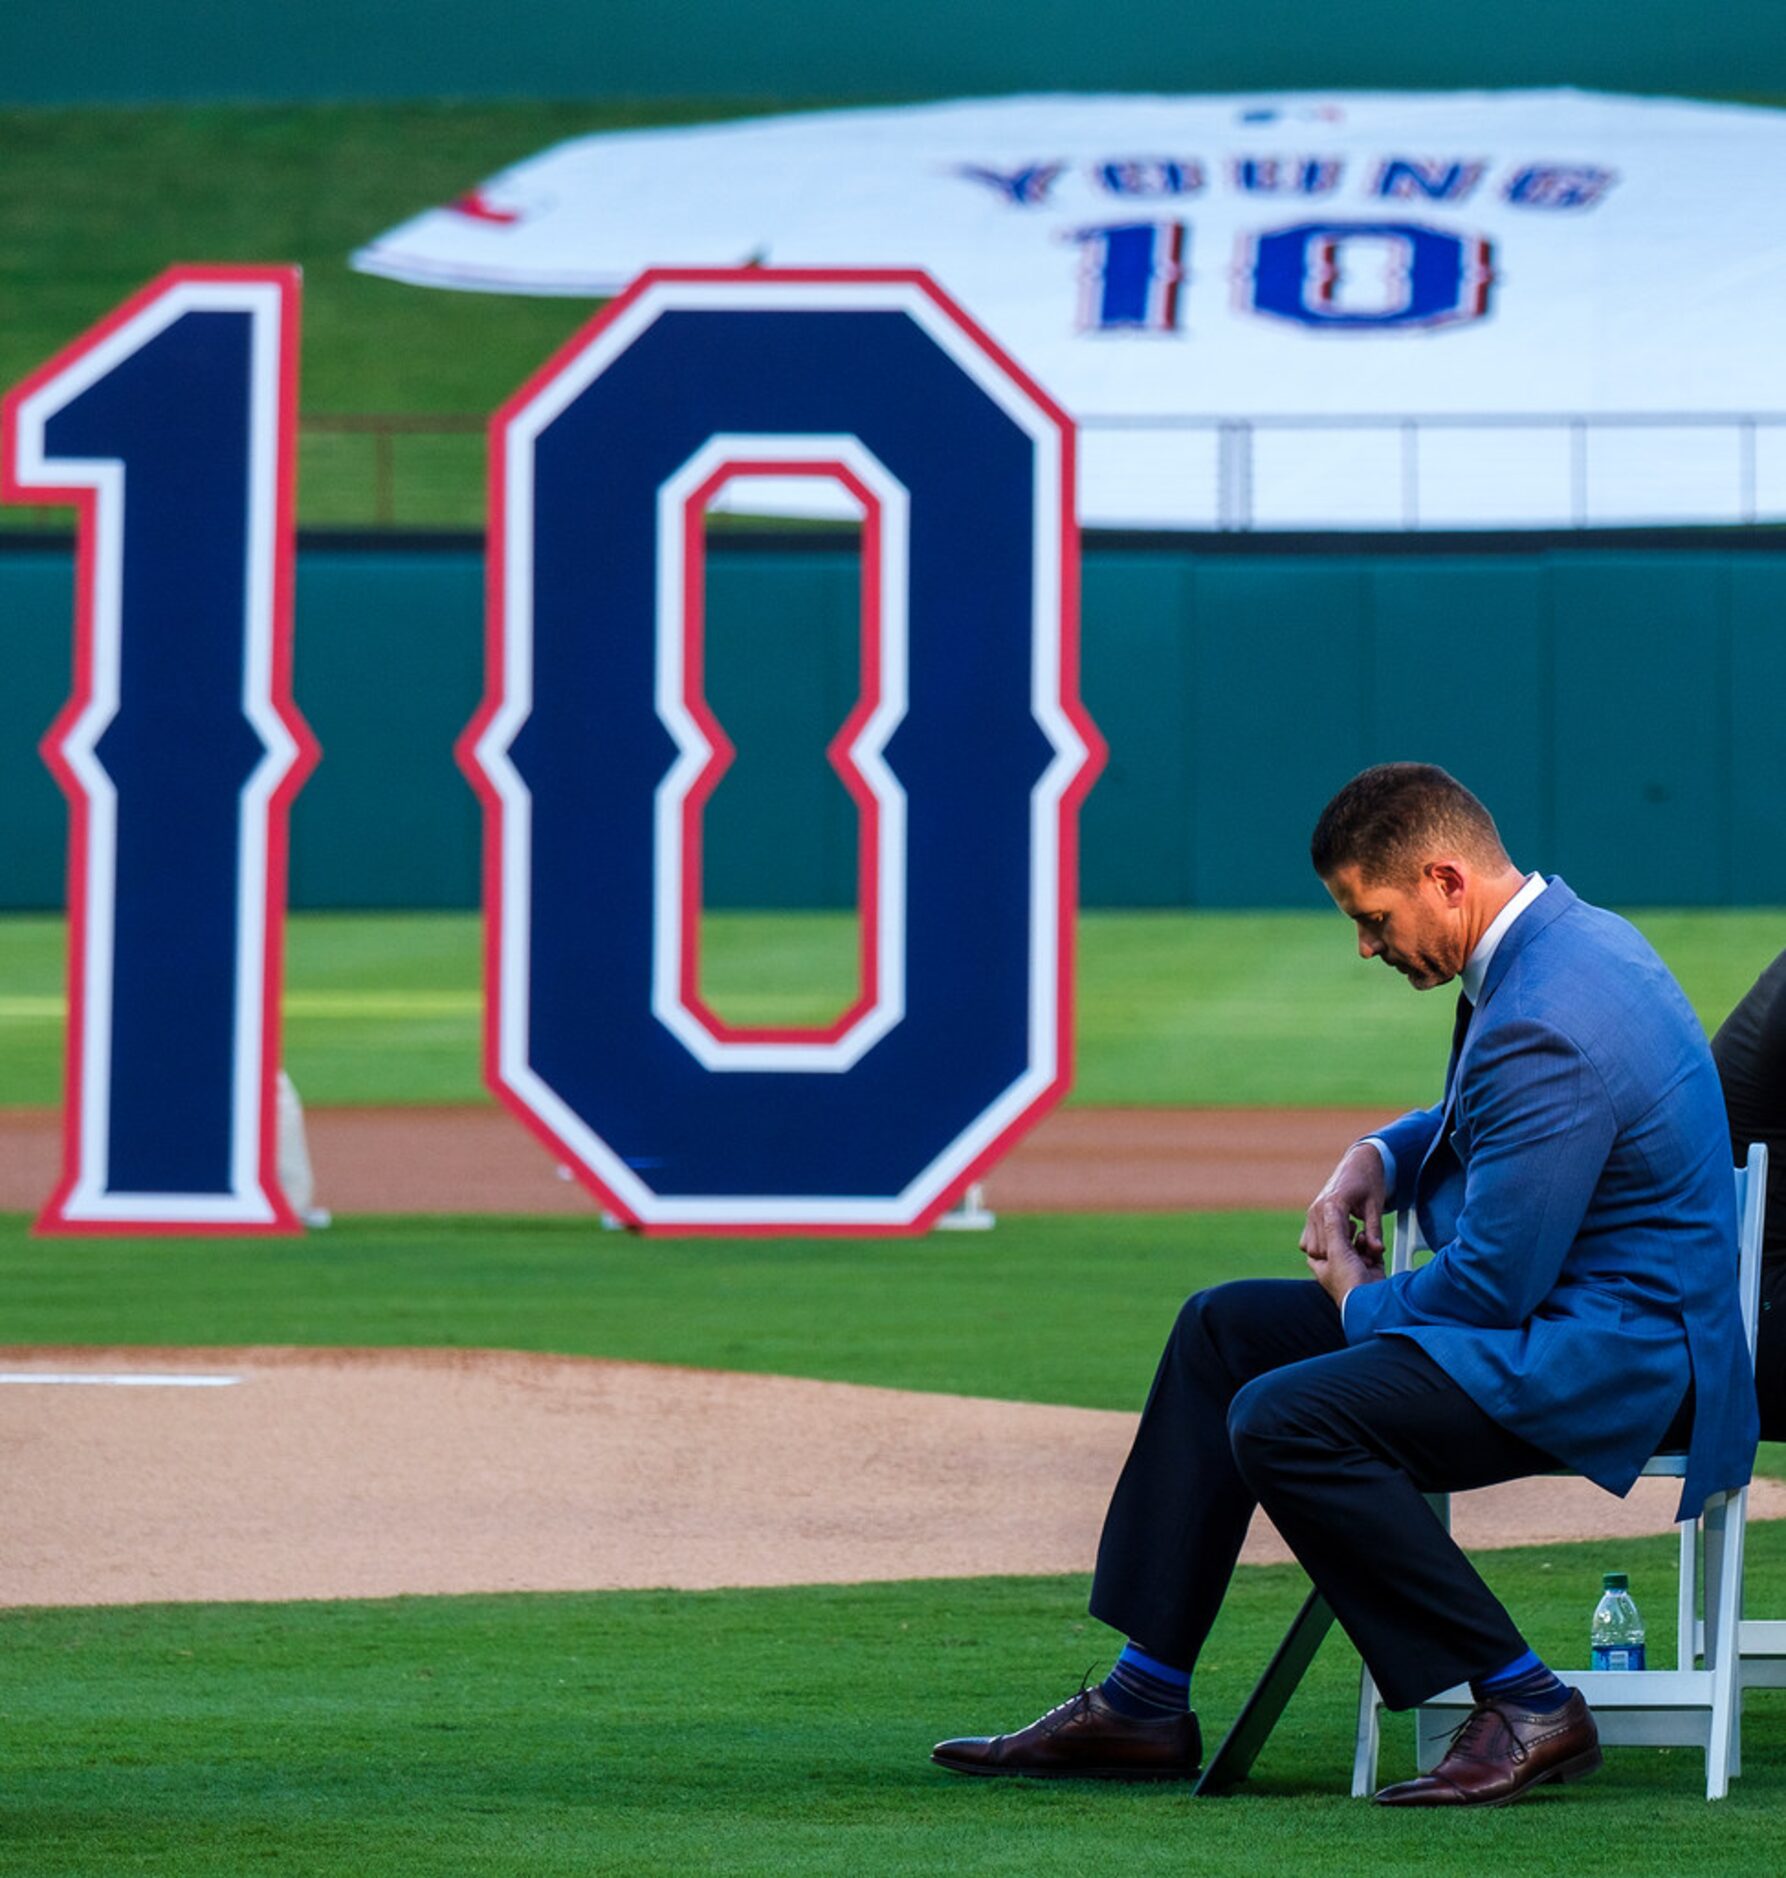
1196 471
1548 469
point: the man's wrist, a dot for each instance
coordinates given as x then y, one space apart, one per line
1384 1155
1344 1283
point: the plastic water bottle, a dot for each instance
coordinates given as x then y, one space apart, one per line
1616 1634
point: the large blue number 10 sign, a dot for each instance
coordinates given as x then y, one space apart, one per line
595 751
966 754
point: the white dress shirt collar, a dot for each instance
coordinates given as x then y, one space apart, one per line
1476 967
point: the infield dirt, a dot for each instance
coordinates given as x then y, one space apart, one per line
480 1160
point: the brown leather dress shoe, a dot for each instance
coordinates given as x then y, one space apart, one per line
1501 1752
1083 1739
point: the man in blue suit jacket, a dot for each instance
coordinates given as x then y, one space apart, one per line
1581 1309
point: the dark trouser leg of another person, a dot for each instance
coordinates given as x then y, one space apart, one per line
1770 1353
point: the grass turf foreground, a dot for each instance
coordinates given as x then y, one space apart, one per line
763 1731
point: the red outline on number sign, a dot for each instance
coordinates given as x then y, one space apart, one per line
837 752
306 752
1071 705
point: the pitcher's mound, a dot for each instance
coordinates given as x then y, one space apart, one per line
139 1475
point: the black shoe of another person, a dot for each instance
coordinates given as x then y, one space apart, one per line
1501 1752
1083 1739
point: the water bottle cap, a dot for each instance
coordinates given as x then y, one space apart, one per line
1616 1581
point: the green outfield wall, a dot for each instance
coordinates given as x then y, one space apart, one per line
123 51
1619 704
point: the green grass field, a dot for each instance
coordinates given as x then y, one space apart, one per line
1174 1008
761 1732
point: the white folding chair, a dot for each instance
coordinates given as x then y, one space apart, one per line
1686 1706
1761 1641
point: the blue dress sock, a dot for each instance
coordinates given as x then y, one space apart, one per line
1146 1689
1525 1681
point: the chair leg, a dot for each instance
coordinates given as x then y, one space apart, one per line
1431 1738
1370 1737
1431 1735
1687 1596
1229 1765
1731 1648
1724 1520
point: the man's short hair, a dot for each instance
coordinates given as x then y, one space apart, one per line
1388 820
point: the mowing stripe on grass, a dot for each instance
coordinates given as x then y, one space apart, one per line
33 1010
345 1004
141 1380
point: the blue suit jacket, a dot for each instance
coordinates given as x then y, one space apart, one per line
1576 1181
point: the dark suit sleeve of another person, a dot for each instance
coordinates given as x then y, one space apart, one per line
1750 1051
